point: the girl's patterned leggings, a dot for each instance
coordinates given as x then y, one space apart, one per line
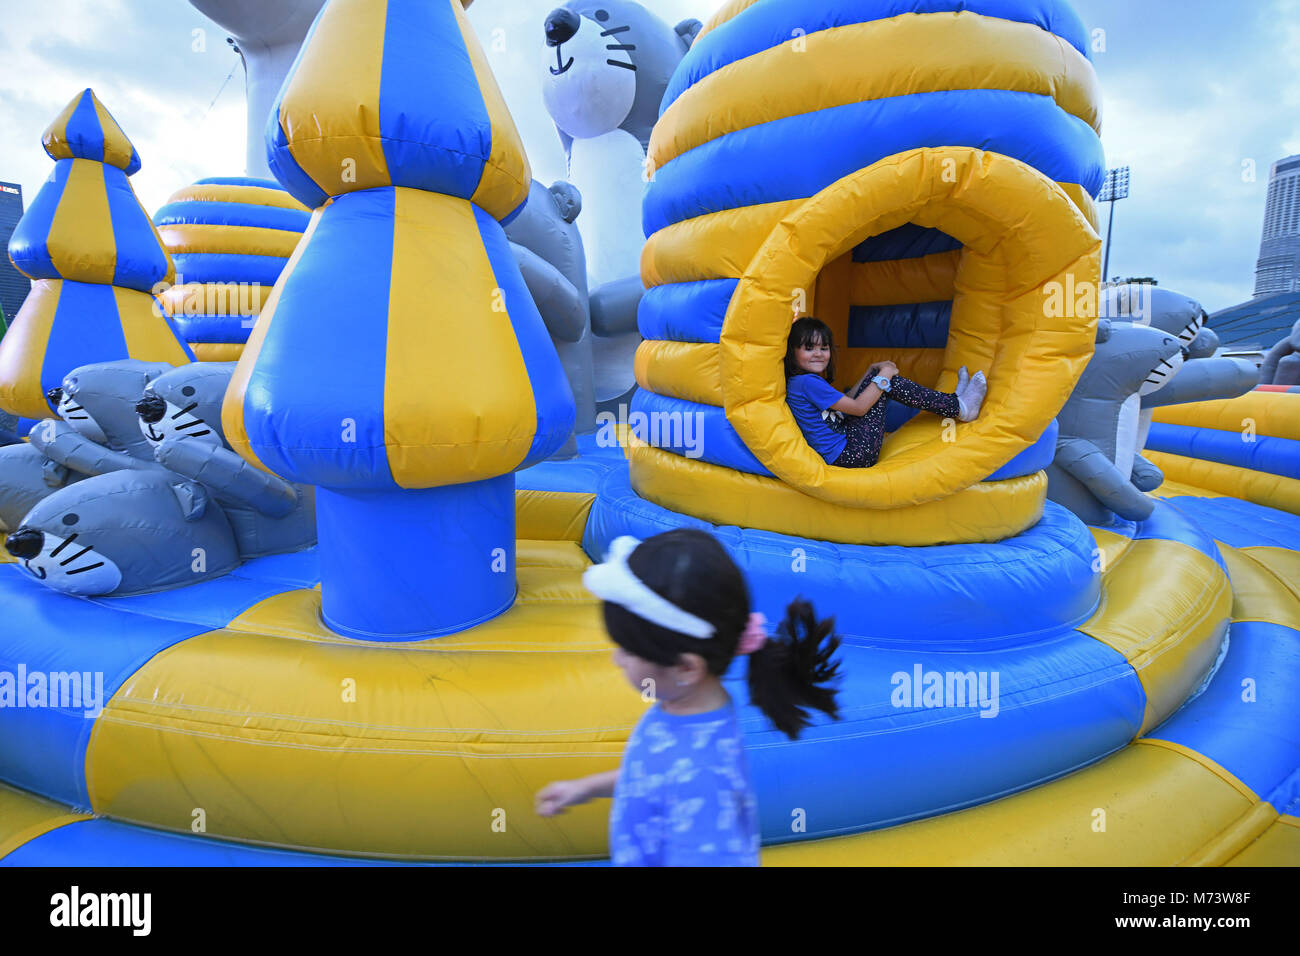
866 433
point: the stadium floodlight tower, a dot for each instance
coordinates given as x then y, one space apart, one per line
1115 188
267 35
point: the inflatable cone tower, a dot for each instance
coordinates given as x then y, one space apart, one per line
93 257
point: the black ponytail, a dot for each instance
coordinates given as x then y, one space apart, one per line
691 569
790 674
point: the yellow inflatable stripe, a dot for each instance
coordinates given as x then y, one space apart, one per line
1157 807
474 420
1272 491
551 515
1174 489
117 148
717 245
725 13
216 298
1265 584
248 195
1079 196
1276 414
216 351
81 243
330 109
1110 548
1279 845
506 174
144 329
987 511
1171 642
25 816
1038 355
22 351
231 240
926 279
232 408
908 55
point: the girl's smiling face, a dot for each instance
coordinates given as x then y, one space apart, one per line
813 356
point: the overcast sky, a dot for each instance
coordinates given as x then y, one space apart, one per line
1192 91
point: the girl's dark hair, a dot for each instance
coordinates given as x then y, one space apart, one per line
688 567
805 332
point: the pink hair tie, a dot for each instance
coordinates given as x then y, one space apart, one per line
754 636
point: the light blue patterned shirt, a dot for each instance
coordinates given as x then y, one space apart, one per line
683 796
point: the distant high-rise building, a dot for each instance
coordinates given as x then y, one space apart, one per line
1278 268
14 286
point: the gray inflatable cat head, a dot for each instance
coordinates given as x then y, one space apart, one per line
607 66
126 532
98 402
185 403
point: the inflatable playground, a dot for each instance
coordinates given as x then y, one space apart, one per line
322 547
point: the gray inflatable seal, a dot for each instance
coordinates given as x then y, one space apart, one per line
1093 473
179 417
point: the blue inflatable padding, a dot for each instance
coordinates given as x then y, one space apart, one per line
1276 456
239 181
44 749
288 174
1167 523
695 430
553 399
762 167
973 595
598 453
686 311
1256 739
908 241
74 341
84 134
27 243
231 214
770 24
214 328
325 293
227 267
692 430
1240 524
917 325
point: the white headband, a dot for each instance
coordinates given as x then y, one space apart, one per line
614 581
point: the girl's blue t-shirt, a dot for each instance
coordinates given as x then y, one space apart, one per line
809 395
683 796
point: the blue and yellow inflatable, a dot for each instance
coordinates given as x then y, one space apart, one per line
400 692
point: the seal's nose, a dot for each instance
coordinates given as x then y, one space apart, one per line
151 409
25 543
561 25
54 396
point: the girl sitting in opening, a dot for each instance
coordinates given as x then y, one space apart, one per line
678 608
820 409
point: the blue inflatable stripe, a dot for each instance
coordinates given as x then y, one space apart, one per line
1240 524
421 149
239 181
908 241
326 289
1168 523
73 341
214 329
686 311
187 213
227 267
28 245
762 166
1257 741
552 395
766 25
694 430
920 325
84 133
140 262
279 160
1274 456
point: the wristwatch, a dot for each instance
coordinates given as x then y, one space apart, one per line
881 383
